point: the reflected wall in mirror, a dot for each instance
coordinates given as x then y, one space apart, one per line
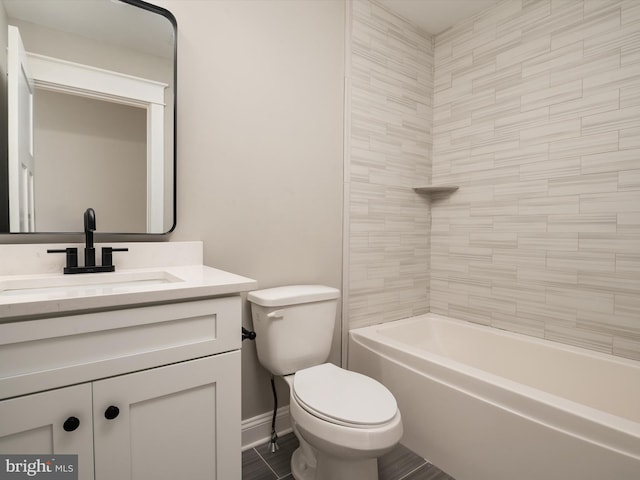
89 116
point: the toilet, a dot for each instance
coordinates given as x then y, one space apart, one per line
343 420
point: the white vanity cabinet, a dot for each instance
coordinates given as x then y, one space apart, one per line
178 421
155 390
35 424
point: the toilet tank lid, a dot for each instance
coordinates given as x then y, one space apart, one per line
292 295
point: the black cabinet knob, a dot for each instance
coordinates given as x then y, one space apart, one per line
111 412
70 424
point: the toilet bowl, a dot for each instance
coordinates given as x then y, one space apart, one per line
347 419
343 420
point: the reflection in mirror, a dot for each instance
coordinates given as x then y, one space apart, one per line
90 97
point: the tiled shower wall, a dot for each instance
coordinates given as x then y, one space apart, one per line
390 150
537 119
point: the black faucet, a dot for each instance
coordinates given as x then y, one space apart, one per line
89 228
89 251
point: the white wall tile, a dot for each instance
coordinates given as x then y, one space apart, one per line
621 160
592 24
391 136
612 120
581 261
583 223
532 107
566 222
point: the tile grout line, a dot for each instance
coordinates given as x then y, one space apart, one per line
267 463
413 471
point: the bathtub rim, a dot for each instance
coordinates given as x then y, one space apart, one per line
573 418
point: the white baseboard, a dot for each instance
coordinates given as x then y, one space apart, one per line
257 430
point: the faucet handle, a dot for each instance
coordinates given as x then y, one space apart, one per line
107 255
72 255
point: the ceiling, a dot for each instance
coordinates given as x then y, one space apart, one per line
435 16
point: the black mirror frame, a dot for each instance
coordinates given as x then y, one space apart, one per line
8 237
169 16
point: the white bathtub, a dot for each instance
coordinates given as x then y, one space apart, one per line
484 404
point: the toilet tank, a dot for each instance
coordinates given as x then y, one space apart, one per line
294 326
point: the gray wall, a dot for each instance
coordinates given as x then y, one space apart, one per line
98 151
260 121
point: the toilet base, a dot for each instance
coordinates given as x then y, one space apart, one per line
300 469
331 468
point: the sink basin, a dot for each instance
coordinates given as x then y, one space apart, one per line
59 285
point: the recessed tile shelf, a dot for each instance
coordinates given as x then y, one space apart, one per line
436 189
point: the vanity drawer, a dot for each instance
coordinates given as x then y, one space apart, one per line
47 353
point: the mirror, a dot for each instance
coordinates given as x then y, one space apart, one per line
88 118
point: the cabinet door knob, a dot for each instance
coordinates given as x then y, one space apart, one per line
111 412
70 424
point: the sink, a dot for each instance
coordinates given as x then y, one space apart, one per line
78 285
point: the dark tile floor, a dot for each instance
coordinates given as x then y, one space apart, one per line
399 464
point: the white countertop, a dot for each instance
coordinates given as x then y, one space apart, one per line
21 298
194 281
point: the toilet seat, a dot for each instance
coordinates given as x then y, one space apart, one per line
343 397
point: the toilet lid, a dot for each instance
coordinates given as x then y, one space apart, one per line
343 397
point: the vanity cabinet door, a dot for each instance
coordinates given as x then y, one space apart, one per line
54 422
177 421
